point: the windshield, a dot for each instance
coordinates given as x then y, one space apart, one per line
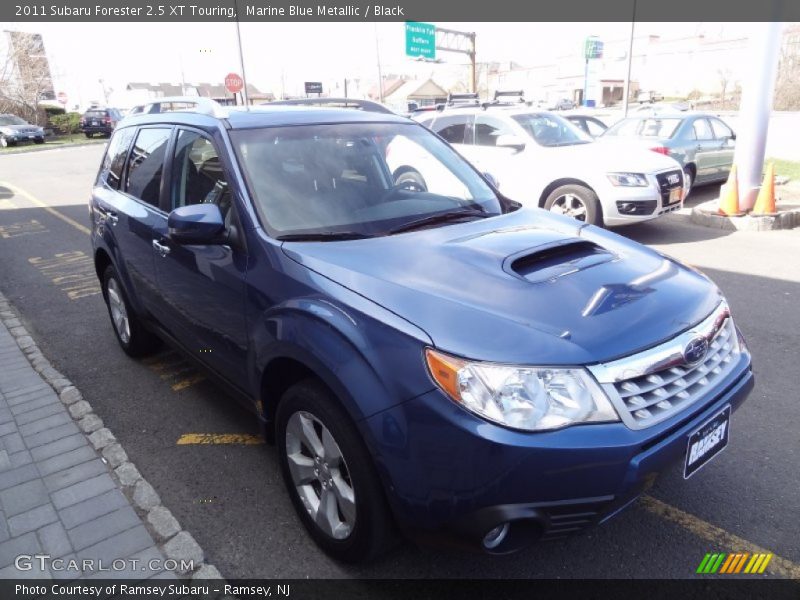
357 179
658 127
551 130
11 120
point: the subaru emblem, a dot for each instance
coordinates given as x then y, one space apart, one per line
695 351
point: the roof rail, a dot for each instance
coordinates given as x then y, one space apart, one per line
463 99
509 93
365 105
202 105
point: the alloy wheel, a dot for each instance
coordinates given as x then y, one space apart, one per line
570 205
119 314
320 475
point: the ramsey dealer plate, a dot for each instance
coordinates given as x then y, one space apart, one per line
707 442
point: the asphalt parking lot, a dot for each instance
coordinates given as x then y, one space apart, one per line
228 492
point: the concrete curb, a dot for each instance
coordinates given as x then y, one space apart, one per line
45 149
705 214
173 541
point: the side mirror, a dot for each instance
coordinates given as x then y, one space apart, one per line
510 140
733 135
197 224
491 179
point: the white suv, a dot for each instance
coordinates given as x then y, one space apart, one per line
541 159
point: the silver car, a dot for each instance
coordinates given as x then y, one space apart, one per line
702 143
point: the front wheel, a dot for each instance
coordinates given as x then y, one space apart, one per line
131 334
576 201
688 182
330 476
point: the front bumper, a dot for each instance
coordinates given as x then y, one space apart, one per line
626 205
451 476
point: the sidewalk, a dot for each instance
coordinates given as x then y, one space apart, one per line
62 483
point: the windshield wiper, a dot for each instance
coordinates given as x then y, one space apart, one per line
439 218
322 236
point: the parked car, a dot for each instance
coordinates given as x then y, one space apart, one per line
649 96
100 121
453 366
541 159
702 143
14 130
563 104
591 126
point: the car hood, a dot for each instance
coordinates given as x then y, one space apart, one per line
626 157
529 287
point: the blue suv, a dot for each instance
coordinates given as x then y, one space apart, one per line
428 357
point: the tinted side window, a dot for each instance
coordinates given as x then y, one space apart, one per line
197 175
453 129
146 164
114 160
488 129
702 131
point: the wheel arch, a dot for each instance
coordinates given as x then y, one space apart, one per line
553 185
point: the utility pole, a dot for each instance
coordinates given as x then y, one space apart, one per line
241 58
462 42
378 58
627 92
757 92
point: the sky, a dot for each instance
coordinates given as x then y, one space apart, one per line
279 57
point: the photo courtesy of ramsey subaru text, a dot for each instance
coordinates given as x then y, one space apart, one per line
430 359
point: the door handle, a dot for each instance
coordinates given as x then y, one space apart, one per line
160 248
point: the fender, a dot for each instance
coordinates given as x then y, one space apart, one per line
351 352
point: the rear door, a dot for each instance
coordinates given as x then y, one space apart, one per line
726 146
202 287
705 150
127 200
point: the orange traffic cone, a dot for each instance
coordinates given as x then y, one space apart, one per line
765 203
729 196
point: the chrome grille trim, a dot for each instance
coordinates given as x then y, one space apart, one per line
654 385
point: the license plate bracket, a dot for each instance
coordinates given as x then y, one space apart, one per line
707 441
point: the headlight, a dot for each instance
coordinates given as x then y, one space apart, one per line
521 397
628 179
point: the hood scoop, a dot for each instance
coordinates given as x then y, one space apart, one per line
558 259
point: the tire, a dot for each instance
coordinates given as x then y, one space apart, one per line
88 135
356 531
131 334
576 201
38 141
411 178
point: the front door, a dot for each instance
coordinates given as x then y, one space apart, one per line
706 148
202 287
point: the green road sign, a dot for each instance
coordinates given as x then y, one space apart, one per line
593 48
421 39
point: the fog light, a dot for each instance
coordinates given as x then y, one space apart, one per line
495 536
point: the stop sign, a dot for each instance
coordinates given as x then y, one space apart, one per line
62 97
233 83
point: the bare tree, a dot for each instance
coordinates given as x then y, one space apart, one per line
724 80
24 75
787 86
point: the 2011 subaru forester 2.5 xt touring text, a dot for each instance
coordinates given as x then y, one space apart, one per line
429 359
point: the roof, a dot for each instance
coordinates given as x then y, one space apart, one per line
205 90
269 116
417 88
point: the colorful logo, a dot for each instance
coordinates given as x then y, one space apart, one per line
741 562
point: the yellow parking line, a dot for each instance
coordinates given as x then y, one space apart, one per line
50 209
188 382
717 536
245 439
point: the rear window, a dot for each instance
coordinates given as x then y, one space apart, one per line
657 127
96 114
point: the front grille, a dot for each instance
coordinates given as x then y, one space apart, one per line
665 186
659 395
568 520
636 207
654 385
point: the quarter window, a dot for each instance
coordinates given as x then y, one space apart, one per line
452 129
146 164
114 160
197 176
